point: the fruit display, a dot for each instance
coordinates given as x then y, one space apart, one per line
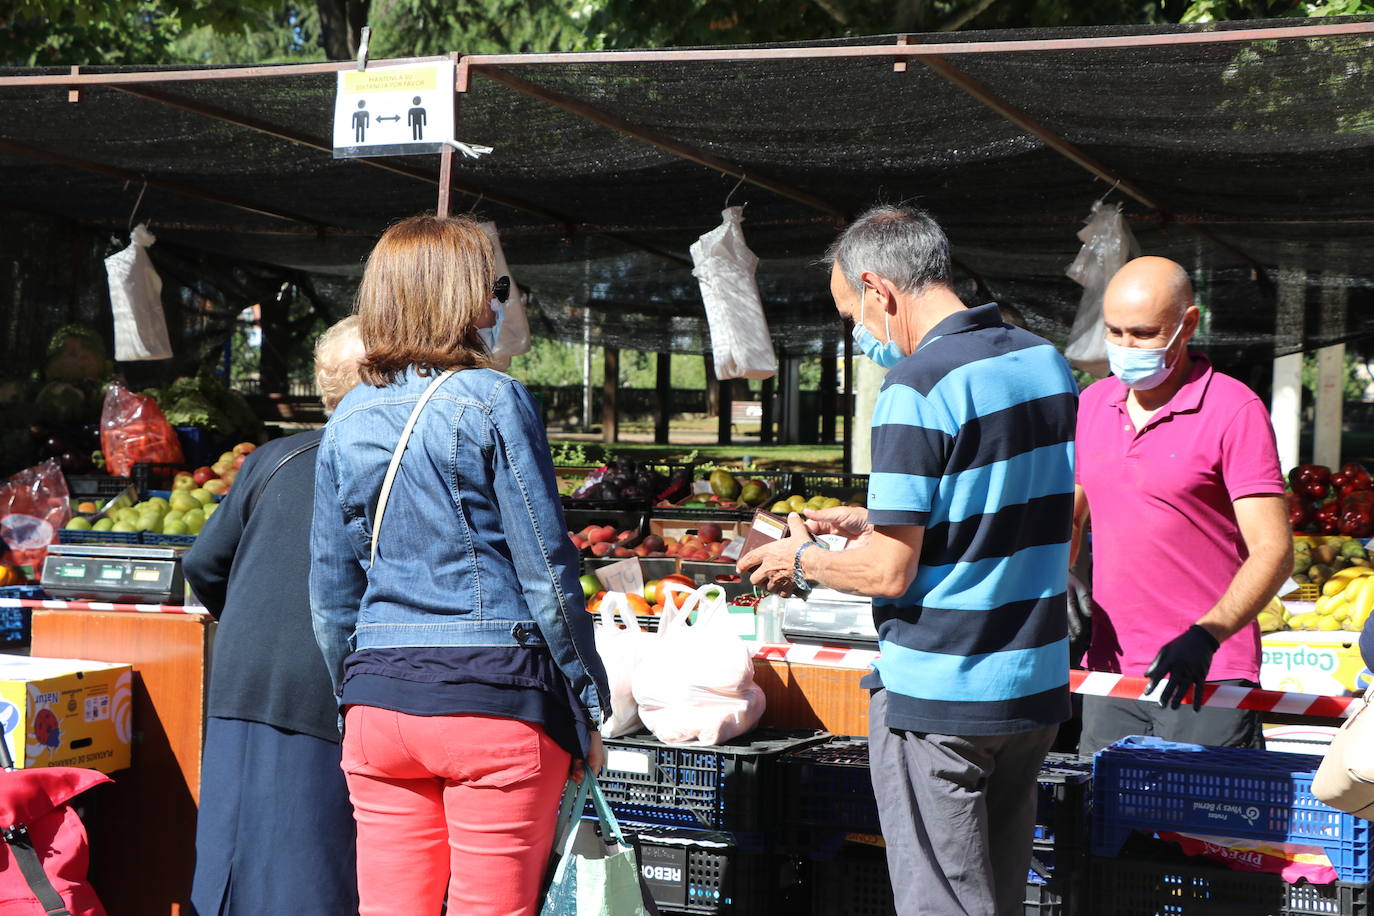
1321 501
184 512
727 492
649 603
626 480
707 543
219 477
1316 559
1341 566
798 504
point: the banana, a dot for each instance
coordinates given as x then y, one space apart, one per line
1362 604
1341 579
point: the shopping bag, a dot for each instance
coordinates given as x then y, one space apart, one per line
695 685
724 267
595 871
1107 245
1345 778
34 504
140 324
133 429
620 650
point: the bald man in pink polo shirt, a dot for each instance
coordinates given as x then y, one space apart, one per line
1177 467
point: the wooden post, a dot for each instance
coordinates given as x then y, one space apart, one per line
610 413
766 421
664 398
828 397
724 404
443 206
712 389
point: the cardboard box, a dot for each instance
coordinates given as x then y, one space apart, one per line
1325 663
66 712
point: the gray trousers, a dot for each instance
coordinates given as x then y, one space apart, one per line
958 815
1109 719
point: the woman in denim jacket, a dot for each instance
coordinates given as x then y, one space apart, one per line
462 653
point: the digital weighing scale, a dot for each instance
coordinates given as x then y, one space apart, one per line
830 618
114 573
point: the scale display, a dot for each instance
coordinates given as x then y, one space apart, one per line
133 575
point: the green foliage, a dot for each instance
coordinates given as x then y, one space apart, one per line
1219 10
421 27
1354 387
554 362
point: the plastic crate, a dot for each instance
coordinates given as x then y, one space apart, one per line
155 475
1133 887
706 872
1304 592
854 883
97 488
650 567
828 788
73 536
157 539
702 514
839 485
1062 804
1057 883
1148 784
201 446
731 786
619 519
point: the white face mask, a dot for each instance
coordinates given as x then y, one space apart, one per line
492 334
1141 368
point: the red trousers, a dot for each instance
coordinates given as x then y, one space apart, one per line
463 803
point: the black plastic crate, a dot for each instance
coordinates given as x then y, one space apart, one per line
731 786
827 787
707 872
620 519
703 514
155 475
1135 887
843 486
1057 883
96 487
853 883
1062 804
16 622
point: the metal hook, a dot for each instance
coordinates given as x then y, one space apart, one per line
364 39
134 211
1103 199
742 176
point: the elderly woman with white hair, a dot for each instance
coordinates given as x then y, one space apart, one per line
275 831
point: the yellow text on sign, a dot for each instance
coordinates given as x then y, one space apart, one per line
358 82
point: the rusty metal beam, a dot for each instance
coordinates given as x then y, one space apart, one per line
98 168
947 49
662 141
1073 153
190 76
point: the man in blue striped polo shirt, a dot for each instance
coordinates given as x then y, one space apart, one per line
964 547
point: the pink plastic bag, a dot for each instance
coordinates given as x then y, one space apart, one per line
33 504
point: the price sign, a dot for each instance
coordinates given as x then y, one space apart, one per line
625 576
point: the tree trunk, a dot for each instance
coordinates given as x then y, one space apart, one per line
341 23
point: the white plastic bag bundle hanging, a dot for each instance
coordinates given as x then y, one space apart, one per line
140 326
511 335
695 684
1107 245
724 267
620 650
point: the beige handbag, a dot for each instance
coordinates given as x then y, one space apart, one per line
1345 779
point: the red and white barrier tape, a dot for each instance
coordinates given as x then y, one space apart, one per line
55 605
1092 683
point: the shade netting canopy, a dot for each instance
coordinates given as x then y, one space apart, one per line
1254 160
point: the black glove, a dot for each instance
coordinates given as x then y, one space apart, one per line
1082 607
1185 661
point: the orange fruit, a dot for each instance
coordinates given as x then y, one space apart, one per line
638 606
86 507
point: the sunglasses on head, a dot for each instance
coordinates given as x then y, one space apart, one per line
500 290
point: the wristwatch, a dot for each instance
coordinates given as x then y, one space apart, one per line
798 577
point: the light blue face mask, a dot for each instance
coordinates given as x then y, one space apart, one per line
1140 368
887 354
492 334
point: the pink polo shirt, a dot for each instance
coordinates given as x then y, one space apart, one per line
1165 542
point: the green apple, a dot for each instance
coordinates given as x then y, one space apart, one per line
210 509
78 524
149 521
175 515
590 585
193 520
123 527
174 528
202 496
160 503
182 500
103 524
128 515
183 481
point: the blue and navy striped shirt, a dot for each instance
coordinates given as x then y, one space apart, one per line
973 440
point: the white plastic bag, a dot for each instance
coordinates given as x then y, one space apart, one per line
695 684
140 326
620 651
724 267
513 334
1107 245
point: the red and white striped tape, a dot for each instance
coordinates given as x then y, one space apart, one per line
56 605
1094 683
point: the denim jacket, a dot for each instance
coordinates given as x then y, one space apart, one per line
473 549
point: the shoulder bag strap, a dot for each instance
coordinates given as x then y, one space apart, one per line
396 457
31 867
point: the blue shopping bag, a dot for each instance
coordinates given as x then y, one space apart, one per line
595 869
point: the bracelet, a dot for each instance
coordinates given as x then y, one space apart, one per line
798 577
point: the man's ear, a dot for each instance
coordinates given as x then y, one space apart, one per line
883 290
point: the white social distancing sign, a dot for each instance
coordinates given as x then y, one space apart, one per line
394 111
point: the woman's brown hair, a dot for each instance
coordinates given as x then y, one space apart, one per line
426 282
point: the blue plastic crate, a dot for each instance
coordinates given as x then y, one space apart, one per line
73 536
157 539
1150 784
15 621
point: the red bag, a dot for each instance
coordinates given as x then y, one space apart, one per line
43 856
33 504
133 429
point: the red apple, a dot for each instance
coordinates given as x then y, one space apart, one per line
709 532
216 485
243 448
202 474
